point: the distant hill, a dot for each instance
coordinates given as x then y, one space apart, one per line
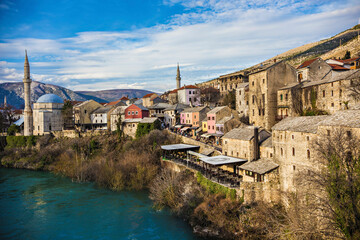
115 94
14 92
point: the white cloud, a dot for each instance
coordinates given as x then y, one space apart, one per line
221 37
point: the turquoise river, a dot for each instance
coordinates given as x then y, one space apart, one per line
40 205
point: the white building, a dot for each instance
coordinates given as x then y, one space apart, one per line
99 118
47 114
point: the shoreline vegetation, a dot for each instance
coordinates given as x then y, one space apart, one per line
118 163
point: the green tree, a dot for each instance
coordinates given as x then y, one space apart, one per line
347 55
13 129
67 114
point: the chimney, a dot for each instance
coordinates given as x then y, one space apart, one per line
256 144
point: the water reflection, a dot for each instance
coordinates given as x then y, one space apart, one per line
38 205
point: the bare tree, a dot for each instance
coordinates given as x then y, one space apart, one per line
355 89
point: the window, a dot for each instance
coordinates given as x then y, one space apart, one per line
307 138
208 118
101 120
323 93
332 84
263 80
132 113
95 121
293 151
281 97
308 154
232 153
271 155
286 97
253 99
281 151
247 102
133 124
213 118
294 168
136 112
292 136
253 112
194 116
49 127
328 132
332 93
225 153
332 104
348 134
340 93
213 127
129 112
237 154
259 112
252 83
85 111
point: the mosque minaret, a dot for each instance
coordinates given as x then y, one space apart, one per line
28 115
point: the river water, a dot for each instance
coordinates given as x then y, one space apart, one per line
40 205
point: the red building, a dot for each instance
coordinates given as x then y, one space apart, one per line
136 111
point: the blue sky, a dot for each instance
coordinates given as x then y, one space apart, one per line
97 45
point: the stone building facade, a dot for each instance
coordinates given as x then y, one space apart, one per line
47 114
263 86
242 99
215 115
82 113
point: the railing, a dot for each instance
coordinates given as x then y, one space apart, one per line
220 176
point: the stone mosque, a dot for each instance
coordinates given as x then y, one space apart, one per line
46 114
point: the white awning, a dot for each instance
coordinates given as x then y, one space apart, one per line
178 126
222 160
184 129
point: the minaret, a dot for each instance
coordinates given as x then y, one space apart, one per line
5 103
178 78
28 117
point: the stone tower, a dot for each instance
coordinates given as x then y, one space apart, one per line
178 78
28 117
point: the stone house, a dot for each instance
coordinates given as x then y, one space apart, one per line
189 95
129 126
261 170
82 112
231 81
215 115
194 116
148 99
136 111
47 115
242 99
330 94
313 69
220 125
173 97
99 118
115 114
116 103
263 86
157 110
266 149
292 140
244 142
172 114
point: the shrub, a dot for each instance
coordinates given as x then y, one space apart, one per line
13 129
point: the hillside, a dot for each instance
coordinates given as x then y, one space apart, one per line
115 94
14 92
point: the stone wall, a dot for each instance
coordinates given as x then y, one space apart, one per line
260 191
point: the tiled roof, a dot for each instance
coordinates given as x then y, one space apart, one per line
337 67
217 109
267 143
124 98
345 118
244 133
178 106
224 120
260 166
139 106
148 95
188 87
148 120
349 60
307 124
118 110
307 63
161 105
113 103
101 110
194 109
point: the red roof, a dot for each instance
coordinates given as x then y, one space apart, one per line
148 95
124 98
349 60
307 63
337 67
173 91
112 103
188 87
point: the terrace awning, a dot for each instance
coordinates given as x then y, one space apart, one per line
178 126
222 160
184 129
179 147
205 135
196 154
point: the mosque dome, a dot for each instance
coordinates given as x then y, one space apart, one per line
50 98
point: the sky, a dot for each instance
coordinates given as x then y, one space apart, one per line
136 44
